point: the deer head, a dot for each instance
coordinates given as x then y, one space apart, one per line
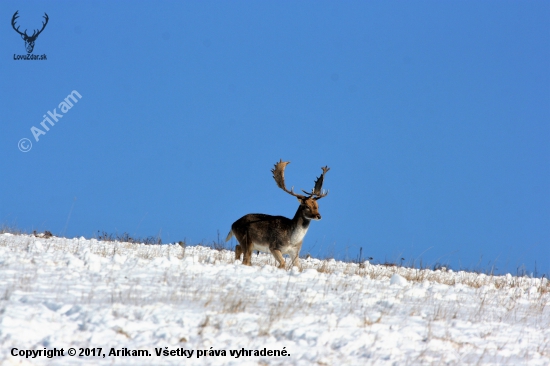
309 202
29 40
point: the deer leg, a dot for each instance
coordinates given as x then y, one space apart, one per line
238 252
247 251
296 259
279 257
247 259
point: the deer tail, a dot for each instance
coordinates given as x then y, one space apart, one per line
229 236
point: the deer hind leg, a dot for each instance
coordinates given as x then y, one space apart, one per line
238 252
279 257
241 248
247 260
246 249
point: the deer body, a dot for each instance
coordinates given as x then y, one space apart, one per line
277 235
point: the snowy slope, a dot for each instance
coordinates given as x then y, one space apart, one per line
62 293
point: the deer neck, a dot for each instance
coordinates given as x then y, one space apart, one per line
300 223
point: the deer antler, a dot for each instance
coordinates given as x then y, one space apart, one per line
13 19
34 34
43 25
318 189
279 176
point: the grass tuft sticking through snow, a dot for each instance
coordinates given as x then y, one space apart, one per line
142 295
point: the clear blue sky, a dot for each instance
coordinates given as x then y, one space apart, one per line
434 117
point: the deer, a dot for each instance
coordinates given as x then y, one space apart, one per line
29 40
278 235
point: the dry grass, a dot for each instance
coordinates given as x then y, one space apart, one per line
221 255
498 298
11 229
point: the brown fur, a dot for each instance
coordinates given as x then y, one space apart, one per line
277 234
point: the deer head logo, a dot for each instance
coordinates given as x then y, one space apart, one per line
29 40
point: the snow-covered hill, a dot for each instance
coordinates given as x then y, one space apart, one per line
195 305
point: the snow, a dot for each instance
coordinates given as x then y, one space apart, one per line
398 280
189 304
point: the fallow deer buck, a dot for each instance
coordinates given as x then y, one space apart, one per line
278 235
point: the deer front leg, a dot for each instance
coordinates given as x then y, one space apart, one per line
296 256
296 261
279 257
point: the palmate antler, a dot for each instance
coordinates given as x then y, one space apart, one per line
279 176
318 189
